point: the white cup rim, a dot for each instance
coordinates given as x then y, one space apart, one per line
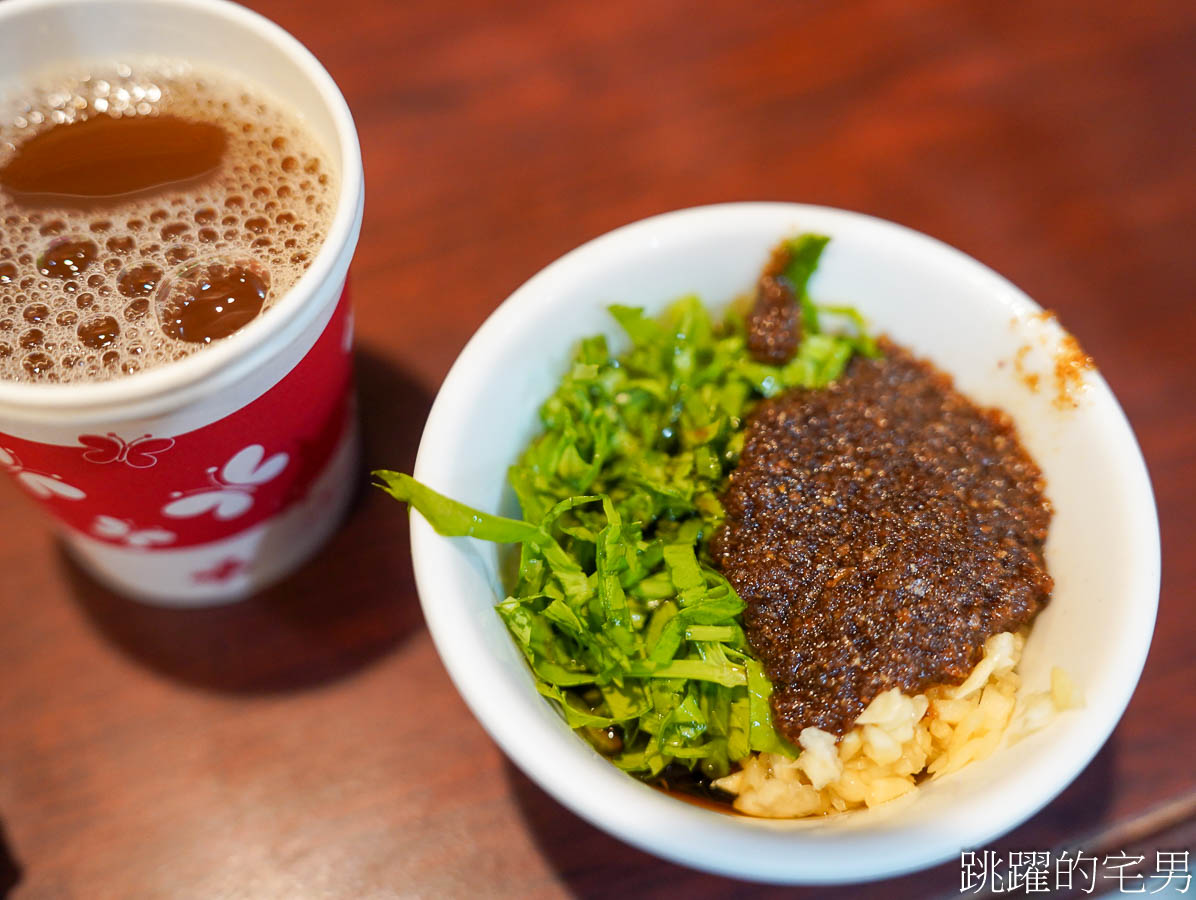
181 382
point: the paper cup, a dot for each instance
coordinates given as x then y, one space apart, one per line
205 479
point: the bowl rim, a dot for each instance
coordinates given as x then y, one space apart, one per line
754 849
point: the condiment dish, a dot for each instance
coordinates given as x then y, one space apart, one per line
1002 350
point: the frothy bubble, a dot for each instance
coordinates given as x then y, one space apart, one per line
89 295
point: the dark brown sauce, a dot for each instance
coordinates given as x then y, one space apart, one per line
85 163
880 530
694 788
774 323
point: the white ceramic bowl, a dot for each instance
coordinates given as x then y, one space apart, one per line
1103 548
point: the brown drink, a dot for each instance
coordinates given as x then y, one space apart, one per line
145 212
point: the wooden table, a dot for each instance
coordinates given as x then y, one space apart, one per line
308 743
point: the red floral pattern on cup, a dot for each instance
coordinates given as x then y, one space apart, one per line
224 570
132 490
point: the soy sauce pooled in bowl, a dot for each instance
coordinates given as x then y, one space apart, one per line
149 213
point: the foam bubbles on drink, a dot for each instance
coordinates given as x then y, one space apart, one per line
94 291
211 299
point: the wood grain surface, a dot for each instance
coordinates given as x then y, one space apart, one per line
308 743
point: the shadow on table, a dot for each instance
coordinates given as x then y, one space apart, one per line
595 865
350 605
10 869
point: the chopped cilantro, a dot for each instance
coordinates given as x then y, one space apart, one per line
622 618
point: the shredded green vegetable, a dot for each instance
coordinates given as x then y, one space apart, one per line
623 620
